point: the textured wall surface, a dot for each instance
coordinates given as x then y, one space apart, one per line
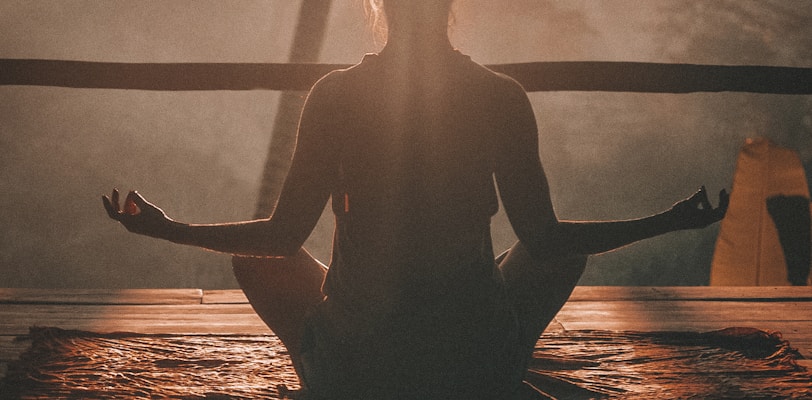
200 155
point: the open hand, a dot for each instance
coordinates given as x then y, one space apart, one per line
697 211
138 215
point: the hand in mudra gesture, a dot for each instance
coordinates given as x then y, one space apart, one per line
697 211
137 215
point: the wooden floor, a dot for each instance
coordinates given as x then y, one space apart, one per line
194 311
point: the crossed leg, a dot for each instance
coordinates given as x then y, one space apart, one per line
282 292
538 289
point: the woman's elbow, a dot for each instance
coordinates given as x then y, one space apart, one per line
274 241
559 239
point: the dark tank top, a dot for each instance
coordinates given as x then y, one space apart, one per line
413 293
415 191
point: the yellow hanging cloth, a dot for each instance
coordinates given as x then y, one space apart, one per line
748 251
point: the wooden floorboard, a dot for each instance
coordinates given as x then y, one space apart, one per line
200 312
224 297
100 296
695 293
181 319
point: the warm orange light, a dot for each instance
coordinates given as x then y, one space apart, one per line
748 251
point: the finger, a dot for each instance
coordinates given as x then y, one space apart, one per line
724 200
139 200
130 206
724 196
111 211
695 200
703 199
115 201
720 211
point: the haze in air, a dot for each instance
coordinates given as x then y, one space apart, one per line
608 155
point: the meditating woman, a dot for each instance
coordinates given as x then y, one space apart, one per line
411 145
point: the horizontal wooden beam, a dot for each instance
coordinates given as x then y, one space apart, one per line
535 76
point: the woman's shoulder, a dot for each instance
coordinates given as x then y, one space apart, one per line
369 61
373 70
337 81
506 84
497 82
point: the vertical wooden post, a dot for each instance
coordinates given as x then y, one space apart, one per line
307 43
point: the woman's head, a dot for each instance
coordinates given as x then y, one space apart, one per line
407 15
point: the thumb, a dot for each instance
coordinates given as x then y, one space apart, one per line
143 205
703 199
134 203
724 200
138 199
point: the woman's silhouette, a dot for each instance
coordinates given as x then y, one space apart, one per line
411 145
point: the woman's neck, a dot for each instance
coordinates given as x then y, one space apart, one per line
417 44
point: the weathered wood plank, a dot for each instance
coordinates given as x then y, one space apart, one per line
15 319
100 296
591 308
250 325
800 341
98 317
166 328
581 293
614 293
234 296
596 315
794 328
686 311
700 293
219 312
122 311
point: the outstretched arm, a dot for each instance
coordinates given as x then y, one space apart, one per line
278 236
584 237
304 194
527 202
525 193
